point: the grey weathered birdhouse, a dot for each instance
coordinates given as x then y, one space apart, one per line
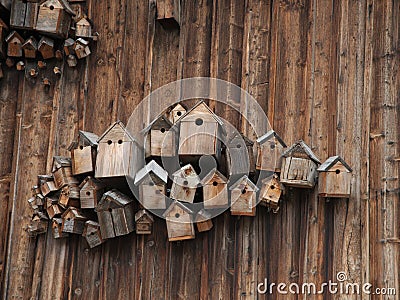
84 152
62 172
179 220
215 190
91 191
269 150
92 234
334 178
203 221
185 182
160 138
243 197
73 221
144 222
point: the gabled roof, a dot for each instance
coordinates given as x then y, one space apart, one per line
156 120
270 178
121 125
177 203
30 42
95 181
69 42
213 173
83 21
14 34
236 135
61 162
270 134
46 41
244 180
331 161
178 107
89 138
143 213
113 199
203 215
40 216
301 146
63 4
75 212
82 41
201 105
45 178
151 167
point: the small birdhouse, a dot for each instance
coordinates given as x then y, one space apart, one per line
271 192
83 153
30 47
39 199
23 14
243 197
46 47
116 148
62 172
81 48
3 35
299 166
269 150
334 178
83 28
38 224
73 221
185 182
91 191
69 47
54 18
160 138
152 180
52 207
57 229
47 184
203 221
14 41
69 196
240 156
201 132
32 203
72 61
92 234
168 13
215 190
144 222
115 213
175 113
179 221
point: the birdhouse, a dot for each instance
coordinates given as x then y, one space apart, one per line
81 48
299 166
69 196
271 192
54 18
14 41
57 229
243 197
69 47
91 191
83 153
38 224
203 221
116 148
152 180
47 184
73 221
215 190
240 156
23 14
32 203
168 13
62 172
160 138
52 207
30 47
46 47
269 150
334 178
175 113
72 61
144 222
179 221
3 35
185 182
39 199
201 132
83 28
92 234
115 213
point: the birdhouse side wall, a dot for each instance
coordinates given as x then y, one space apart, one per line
83 31
23 14
83 160
298 172
63 176
204 226
47 187
106 224
73 226
94 239
123 220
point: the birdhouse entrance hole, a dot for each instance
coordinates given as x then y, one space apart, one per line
238 146
109 142
51 7
185 182
110 210
272 146
337 171
178 113
272 187
120 142
177 215
88 193
215 183
244 191
199 122
162 130
81 147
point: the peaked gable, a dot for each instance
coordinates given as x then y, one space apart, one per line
151 167
332 161
174 205
214 175
301 147
271 134
244 180
201 108
116 131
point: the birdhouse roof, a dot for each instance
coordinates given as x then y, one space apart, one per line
40 216
331 161
143 214
75 213
113 199
187 172
273 177
97 184
301 147
179 204
61 162
82 42
151 167
179 107
85 137
45 178
83 21
270 134
3 25
203 215
51 201
238 135
159 119
69 42
32 42
92 223
246 181
123 130
59 4
14 34
202 108
214 173
46 41
57 221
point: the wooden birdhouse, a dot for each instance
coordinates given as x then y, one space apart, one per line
72 61
175 113
269 150
69 47
54 18
116 148
39 199
91 191
83 153
201 132
240 158
115 214
57 229
52 207
144 222
62 172
23 14
46 47
38 224
81 48
168 13
203 221
179 221
32 203
152 180
3 35
334 178
160 138
47 184
14 41
30 47
271 192
243 197
185 182
83 28
215 190
92 234
69 196
299 166
73 221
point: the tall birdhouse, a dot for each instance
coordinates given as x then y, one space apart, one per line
299 166
14 42
185 182
73 221
83 153
201 132
115 214
243 197
203 221
144 222
269 150
54 18
152 180
240 156
38 224
52 207
215 190
30 47
83 28
168 13
160 138
69 196
23 14
179 220
271 192
92 234
46 47
91 191
57 229
334 178
47 184
176 112
118 153
62 172
81 48
3 35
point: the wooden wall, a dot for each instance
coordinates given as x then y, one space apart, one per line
324 71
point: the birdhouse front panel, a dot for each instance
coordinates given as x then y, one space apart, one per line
243 202
269 156
162 142
215 190
106 224
176 113
83 28
152 195
83 160
57 229
144 222
240 156
179 225
92 234
90 192
123 220
335 182
54 18
298 172
69 196
270 193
